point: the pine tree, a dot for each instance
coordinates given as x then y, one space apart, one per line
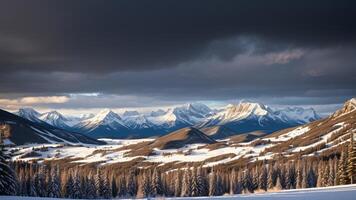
219 184
305 178
270 182
248 181
212 184
90 191
177 185
336 178
33 191
326 175
342 169
69 186
22 183
8 182
40 182
276 172
113 187
255 179
122 187
131 184
282 177
202 183
263 179
351 165
239 186
106 187
233 182
311 178
146 185
291 177
170 180
76 188
98 183
186 184
331 178
54 187
299 181
157 189
319 182
194 185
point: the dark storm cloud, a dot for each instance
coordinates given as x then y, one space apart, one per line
101 36
188 50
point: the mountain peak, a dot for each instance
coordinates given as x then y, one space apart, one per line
297 114
191 113
56 119
348 107
29 113
244 109
26 111
105 116
350 104
53 115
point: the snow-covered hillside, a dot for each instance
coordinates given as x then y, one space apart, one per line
180 147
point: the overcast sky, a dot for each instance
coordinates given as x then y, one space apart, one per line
88 55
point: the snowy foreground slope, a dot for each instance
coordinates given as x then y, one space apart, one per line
345 192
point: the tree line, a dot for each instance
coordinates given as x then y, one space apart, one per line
53 180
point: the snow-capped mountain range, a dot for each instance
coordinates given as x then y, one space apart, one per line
240 118
320 139
247 117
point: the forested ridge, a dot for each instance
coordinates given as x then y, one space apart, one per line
50 180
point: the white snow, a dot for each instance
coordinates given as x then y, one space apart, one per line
289 135
189 114
323 139
105 116
124 141
343 192
239 112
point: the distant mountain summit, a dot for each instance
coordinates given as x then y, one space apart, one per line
248 117
105 124
24 131
180 117
230 120
56 119
29 113
348 107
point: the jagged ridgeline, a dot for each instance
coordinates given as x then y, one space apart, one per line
191 162
218 123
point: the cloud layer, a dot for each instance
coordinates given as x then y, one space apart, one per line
165 52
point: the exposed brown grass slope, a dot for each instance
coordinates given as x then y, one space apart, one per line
181 138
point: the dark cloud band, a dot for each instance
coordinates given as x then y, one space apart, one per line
178 49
